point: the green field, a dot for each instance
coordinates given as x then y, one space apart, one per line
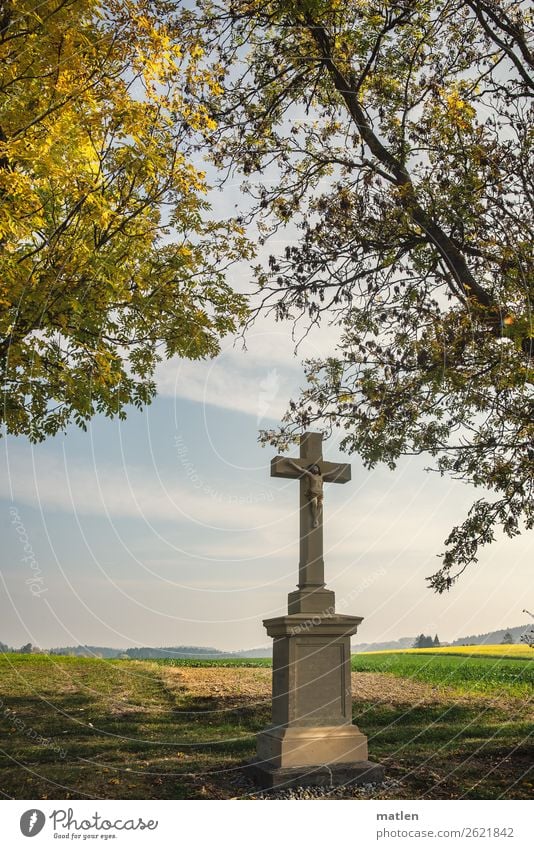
476 673
227 663
71 727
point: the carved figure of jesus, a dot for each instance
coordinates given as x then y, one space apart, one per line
315 489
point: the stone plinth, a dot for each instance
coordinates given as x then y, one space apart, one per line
297 747
312 738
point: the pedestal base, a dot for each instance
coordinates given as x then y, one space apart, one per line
303 747
312 739
270 777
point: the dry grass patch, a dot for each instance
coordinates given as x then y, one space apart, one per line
216 682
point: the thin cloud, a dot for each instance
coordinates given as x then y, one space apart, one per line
107 490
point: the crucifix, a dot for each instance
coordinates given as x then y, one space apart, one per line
313 472
312 738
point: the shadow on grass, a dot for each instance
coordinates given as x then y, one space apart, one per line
452 750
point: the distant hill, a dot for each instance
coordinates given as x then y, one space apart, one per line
493 637
87 651
150 652
403 643
489 639
265 651
174 651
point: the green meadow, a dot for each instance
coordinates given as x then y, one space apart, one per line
473 673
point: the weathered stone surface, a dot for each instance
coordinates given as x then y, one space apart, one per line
311 669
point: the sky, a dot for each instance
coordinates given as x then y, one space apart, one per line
167 529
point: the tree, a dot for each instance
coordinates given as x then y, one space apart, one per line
528 636
436 641
107 263
423 642
26 649
395 137
507 639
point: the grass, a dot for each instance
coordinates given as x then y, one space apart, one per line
473 673
89 728
113 729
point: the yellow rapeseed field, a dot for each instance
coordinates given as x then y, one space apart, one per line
517 652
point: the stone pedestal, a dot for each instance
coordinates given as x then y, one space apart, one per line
312 739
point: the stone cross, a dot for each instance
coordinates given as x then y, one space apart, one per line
311 564
312 739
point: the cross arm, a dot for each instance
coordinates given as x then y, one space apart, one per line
281 467
284 467
335 472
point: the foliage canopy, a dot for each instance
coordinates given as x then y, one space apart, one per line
395 137
107 259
